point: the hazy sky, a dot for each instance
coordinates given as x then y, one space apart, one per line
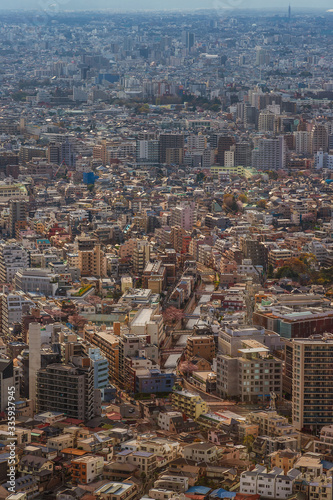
59 5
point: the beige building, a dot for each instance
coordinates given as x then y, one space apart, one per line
145 461
190 404
61 442
271 424
92 262
202 346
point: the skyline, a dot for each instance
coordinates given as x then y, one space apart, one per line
129 5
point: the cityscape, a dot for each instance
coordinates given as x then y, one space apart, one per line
166 253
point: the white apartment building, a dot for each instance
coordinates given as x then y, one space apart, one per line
13 257
302 142
273 484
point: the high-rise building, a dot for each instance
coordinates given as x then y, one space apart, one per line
270 154
184 216
9 377
319 138
101 368
224 144
262 57
53 153
92 262
148 151
140 256
67 153
188 39
170 141
252 375
34 359
17 215
67 388
13 257
312 382
243 154
266 121
302 142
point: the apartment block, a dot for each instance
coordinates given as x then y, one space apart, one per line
190 404
312 382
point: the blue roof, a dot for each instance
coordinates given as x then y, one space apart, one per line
221 493
202 490
326 465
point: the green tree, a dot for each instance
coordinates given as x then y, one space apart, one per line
248 442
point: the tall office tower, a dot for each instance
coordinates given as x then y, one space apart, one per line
147 151
243 154
17 216
53 153
270 154
34 359
302 142
184 216
140 256
224 144
67 388
319 138
92 262
188 39
170 141
312 382
13 257
262 57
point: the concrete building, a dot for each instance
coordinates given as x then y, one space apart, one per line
9 382
36 280
68 389
302 140
190 404
34 359
319 138
202 346
184 216
17 215
312 382
13 257
101 368
147 321
92 262
251 376
270 154
140 255
170 141
201 452
86 469
273 484
117 491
